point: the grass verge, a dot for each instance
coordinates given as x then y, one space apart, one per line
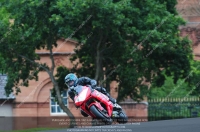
33 130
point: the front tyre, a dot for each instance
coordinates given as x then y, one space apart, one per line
100 115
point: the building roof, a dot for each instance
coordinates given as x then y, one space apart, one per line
3 81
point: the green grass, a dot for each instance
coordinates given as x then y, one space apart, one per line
33 130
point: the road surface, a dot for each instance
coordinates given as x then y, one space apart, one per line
177 125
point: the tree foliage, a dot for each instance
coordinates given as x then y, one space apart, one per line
36 24
193 78
122 40
169 89
131 40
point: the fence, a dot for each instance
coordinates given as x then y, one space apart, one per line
173 108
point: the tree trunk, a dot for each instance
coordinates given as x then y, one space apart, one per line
65 109
97 65
98 60
60 102
108 86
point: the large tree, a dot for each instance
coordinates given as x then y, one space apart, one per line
130 40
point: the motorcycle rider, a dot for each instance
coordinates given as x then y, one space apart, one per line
72 81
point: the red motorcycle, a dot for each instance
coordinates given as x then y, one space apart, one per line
97 105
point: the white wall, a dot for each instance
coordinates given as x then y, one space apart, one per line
6 119
6 110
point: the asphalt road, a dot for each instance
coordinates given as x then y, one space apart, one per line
178 125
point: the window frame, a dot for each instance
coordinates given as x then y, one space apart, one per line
62 113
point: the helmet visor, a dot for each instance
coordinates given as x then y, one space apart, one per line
70 83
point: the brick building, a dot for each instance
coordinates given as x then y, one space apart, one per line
34 106
190 11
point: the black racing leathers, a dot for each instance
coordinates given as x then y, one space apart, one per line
87 81
82 81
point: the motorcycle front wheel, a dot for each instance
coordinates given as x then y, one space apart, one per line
100 115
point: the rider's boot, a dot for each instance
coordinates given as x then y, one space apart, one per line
115 105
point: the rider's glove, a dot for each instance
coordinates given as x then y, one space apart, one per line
93 83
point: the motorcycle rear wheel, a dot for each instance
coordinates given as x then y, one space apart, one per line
122 117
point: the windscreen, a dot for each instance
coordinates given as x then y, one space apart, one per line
78 89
